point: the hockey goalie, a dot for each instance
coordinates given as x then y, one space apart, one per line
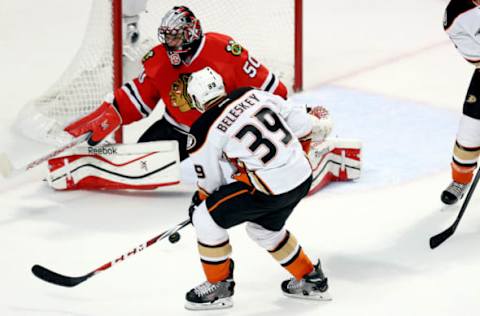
155 161
147 166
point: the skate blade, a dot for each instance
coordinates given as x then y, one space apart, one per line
315 296
218 304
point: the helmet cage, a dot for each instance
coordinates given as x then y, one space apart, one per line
179 29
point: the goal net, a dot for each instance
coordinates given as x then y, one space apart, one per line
269 29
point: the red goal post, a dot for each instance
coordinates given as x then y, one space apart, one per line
270 29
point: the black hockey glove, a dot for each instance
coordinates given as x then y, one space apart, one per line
196 200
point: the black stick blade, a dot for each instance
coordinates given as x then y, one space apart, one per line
438 239
57 279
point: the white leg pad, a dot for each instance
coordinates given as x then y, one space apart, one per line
142 166
334 159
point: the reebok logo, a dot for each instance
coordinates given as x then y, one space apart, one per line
102 150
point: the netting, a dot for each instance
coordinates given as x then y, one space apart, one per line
264 27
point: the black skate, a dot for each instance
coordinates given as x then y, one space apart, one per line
454 192
313 286
211 295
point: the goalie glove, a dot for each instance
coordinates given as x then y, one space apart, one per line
100 123
321 123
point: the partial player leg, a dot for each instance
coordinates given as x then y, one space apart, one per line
268 231
467 145
212 295
308 280
462 174
214 249
312 286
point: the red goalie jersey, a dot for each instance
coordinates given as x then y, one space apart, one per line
161 80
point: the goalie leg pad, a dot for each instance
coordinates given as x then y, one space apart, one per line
334 160
143 166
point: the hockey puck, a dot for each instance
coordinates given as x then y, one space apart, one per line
173 238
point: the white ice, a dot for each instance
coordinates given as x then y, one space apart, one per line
390 77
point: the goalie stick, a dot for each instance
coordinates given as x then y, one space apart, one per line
438 239
8 170
68 281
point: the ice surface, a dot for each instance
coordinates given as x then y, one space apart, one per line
390 78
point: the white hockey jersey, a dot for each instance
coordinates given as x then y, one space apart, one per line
462 24
259 132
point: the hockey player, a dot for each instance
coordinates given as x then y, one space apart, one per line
258 133
462 24
184 49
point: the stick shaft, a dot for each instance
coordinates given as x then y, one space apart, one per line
50 276
56 152
438 239
141 247
8 170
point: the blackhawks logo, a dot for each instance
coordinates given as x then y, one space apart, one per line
179 95
234 48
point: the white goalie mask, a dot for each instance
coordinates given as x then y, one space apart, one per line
180 32
205 86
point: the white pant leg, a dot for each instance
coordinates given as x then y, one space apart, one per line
208 232
267 239
469 132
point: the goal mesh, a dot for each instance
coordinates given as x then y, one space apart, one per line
266 28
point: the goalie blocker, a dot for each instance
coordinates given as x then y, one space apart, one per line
143 166
146 166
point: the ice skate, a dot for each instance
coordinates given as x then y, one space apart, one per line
454 192
211 295
313 286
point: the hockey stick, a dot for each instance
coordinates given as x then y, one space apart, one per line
68 281
7 169
438 239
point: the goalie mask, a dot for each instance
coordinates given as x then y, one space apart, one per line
204 87
180 32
